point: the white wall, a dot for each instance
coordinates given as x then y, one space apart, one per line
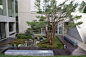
24 13
79 33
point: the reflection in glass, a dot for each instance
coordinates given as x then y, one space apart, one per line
11 8
3 7
60 29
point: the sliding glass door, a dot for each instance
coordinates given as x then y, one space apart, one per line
2 30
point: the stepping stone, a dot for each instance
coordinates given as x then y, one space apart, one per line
30 52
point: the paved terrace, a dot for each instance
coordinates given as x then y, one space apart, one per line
74 50
4 44
80 44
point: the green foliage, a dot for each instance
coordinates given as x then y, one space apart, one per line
50 11
33 23
36 26
41 36
29 32
22 36
82 5
19 41
84 9
42 18
57 44
51 14
13 44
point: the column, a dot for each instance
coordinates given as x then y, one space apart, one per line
7 29
14 26
6 7
58 28
63 29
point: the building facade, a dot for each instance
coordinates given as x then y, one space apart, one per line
7 19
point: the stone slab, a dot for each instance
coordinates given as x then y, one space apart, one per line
30 52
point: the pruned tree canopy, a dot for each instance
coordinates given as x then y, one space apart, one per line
52 14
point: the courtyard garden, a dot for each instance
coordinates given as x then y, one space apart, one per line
39 40
51 19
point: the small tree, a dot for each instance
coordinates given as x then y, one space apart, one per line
82 5
36 26
51 14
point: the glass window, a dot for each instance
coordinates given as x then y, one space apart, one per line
16 6
2 31
11 8
17 27
60 28
2 7
10 27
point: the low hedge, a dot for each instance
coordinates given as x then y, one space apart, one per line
23 36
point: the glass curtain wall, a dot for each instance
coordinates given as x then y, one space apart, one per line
11 8
3 7
2 31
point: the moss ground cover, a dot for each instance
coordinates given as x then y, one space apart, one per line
19 41
56 44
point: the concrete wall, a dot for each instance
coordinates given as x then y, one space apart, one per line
79 33
74 33
25 14
7 20
23 18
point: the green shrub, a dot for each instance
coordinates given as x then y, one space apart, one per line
13 44
44 36
29 32
22 36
